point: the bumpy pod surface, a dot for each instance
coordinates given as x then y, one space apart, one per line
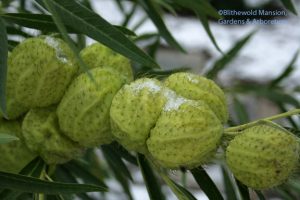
263 156
134 111
150 118
186 134
195 87
98 55
83 112
42 135
14 155
39 71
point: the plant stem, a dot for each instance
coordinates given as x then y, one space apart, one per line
235 129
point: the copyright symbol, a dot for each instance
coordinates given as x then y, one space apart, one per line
220 12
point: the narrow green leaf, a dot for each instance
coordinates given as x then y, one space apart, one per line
145 36
152 48
260 195
152 10
229 185
5 138
228 57
118 168
63 175
3 66
153 186
167 6
120 5
87 22
240 111
34 169
280 97
123 182
204 20
206 184
179 191
12 44
202 6
119 149
160 74
16 31
67 176
288 70
45 23
275 95
111 155
81 172
33 185
41 22
53 197
125 30
140 23
244 191
58 21
289 5
128 16
25 196
285 195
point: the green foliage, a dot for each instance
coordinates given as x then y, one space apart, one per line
93 172
3 65
5 138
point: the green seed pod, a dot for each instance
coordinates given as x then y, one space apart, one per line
152 119
263 156
13 108
39 71
42 135
195 87
98 55
134 111
14 155
83 112
187 133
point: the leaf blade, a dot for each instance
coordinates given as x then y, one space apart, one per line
204 20
290 6
229 185
99 29
288 70
201 6
34 185
6 138
44 23
111 155
244 191
153 13
34 169
81 172
179 191
3 66
152 184
206 184
228 57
